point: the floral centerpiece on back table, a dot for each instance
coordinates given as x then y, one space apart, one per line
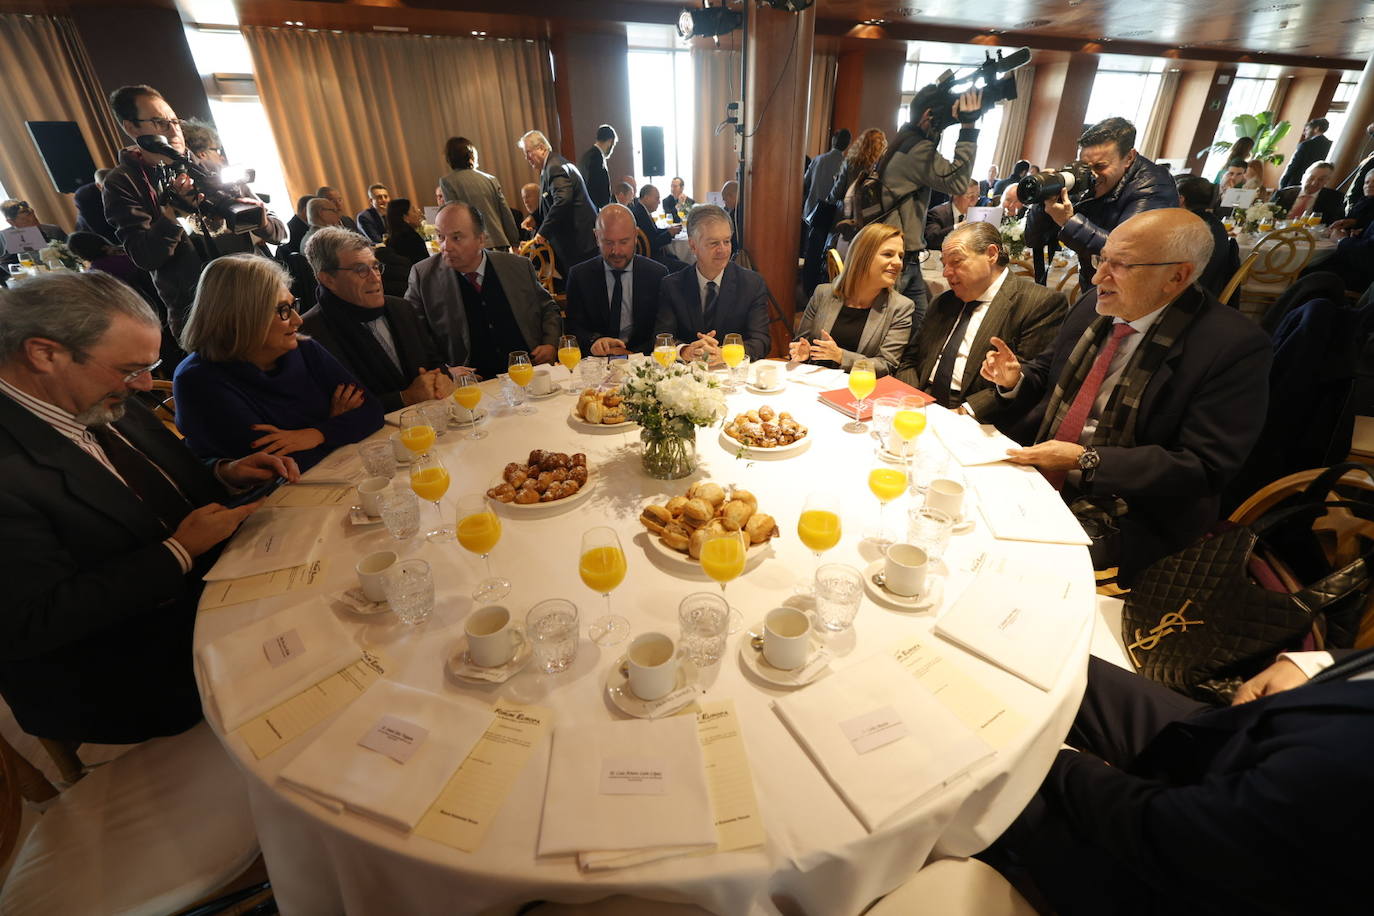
669 403
1261 214
1014 237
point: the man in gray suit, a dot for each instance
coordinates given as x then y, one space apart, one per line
480 305
984 301
471 185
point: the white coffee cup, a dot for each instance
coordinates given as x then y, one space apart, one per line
766 375
491 639
403 454
372 570
652 660
370 491
947 496
786 638
904 570
542 383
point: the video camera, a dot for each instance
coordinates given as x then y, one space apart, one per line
1076 178
992 77
219 199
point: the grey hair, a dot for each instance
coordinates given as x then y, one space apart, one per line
325 245
313 208
705 213
1190 241
73 309
976 237
534 139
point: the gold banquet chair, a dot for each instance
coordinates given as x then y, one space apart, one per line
1239 277
641 243
1282 254
834 264
541 255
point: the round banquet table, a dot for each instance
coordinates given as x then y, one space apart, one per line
818 857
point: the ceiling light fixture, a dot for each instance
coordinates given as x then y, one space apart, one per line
711 20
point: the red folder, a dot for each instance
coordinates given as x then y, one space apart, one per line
888 387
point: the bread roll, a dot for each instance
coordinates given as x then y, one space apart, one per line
655 518
760 527
737 512
698 510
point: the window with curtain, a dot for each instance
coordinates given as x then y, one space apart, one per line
1251 91
1125 87
926 62
1338 113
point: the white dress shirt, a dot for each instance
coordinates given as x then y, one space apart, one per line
980 312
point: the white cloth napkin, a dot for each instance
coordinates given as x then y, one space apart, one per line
340 773
243 681
578 818
268 540
342 466
969 442
1020 505
894 778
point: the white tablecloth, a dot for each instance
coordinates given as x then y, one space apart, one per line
818 857
680 249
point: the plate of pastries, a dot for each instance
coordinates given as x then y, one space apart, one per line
765 431
541 479
601 408
681 525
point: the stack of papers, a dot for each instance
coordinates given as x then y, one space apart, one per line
968 442
342 466
389 755
268 540
1020 505
622 793
884 742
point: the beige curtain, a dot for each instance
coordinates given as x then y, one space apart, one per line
1153 141
349 109
822 107
47 77
714 160
1014 113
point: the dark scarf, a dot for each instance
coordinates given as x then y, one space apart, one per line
358 347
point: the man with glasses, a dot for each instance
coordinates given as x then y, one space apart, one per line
377 337
320 213
20 215
1150 398
335 196
107 521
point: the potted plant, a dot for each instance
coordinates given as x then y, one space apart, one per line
1262 130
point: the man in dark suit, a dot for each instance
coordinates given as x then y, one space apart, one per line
677 199
335 196
1195 193
985 188
1313 196
593 166
297 226
102 546
613 299
377 337
1313 148
703 303
658 239
944 217
983 301
90 208
1151 396
1167 805
1355 190
372 221
566 216
480 305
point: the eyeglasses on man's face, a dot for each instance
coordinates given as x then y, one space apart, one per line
362 270
162 124
127 378
286 309
1112 266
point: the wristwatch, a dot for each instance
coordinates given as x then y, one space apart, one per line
1088 462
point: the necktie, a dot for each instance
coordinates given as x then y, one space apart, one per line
944 368
708 312
143 477
473 279
1300 207
617 301
1071 428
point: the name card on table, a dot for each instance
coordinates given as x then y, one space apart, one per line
728 778
289 720
226 592
394 737
463 812
985 714
309 496
872 730
283 647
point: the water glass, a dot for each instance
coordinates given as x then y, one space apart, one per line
929 529
551 627
591 372
839 588
704 618
739 375
410 591
884 409
379 460
513 394
438 413
928 464
400 512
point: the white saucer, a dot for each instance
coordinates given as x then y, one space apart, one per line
935 589
755 389
618 688
544 397
358 603
461 668
458 417
753 660
359 517
892 457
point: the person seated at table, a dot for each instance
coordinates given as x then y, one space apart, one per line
1360 214
613 299
944 217
319 213
480 305
1161 805
1254 179
677 199
372 221
983 301
251 383
378 338
624 194
1352 261
1195 193
1198 377
21 215
110 522
297 226
658 239
699 305
403 222
860 314
1313 196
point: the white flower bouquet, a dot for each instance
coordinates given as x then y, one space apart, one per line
668 402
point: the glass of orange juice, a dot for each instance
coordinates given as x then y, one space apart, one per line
479 530
910 419
602 567
569 355
886 483
732 353
862 381
665 350
467 394
429 480
722 558
818 527
521 371
417 433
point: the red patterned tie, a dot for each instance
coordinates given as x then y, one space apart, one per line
1071 428
473 279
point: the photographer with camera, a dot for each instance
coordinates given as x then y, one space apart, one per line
1080 204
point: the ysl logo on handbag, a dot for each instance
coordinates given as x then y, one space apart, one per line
1173 622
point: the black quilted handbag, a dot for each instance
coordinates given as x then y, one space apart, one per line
1204 620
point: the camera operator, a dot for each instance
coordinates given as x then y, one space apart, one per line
914 167
1124 183
204 146
143 202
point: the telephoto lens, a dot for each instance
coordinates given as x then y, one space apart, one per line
1076 178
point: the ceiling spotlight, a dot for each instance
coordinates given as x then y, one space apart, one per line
712 20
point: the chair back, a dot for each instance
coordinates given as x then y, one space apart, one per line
1023 267
1070 278
166 408
1238 278
834 264
1283 254
641 243
541 255
302 279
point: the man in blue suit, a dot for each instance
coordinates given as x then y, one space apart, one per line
613 299
703 303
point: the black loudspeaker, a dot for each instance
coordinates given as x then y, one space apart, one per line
651 151
64 152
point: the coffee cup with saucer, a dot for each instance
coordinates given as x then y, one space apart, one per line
875 585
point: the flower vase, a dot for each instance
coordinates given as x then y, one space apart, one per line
671 452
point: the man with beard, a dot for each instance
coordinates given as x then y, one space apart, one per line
613 299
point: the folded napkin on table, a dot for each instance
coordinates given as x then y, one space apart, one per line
268 540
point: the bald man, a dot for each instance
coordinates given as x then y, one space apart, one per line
613 298
1155 463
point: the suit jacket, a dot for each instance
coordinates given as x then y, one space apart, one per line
598 180
438 301
95 641
90 212
658 238
566 215
484 192
1023 313
1329 203
671 203
939 222
414 347
372 224
1308 151
886 329
1200 414
589 304
741 308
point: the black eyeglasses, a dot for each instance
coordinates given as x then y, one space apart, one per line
286 309
361 270
1111 265
163 124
